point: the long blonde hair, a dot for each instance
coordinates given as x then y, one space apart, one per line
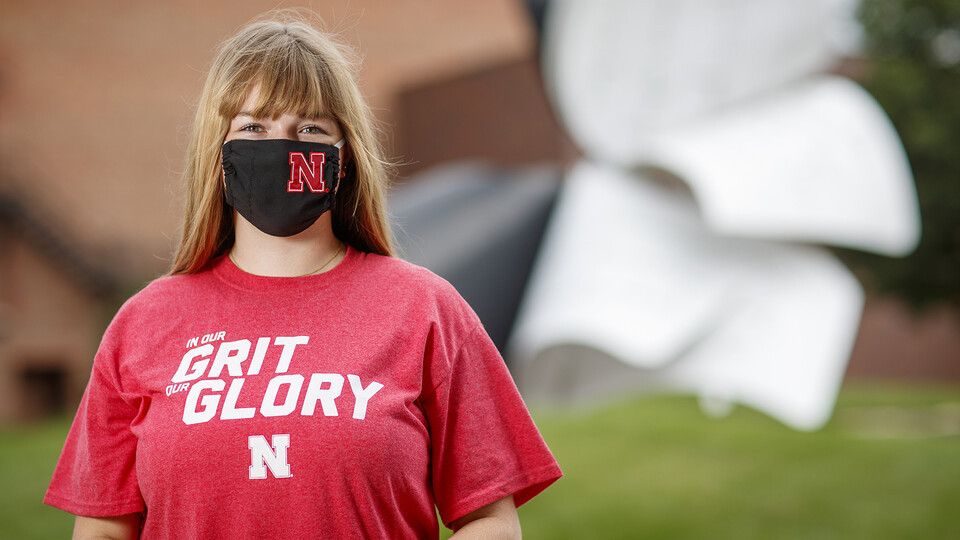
298 70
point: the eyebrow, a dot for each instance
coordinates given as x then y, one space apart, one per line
249 114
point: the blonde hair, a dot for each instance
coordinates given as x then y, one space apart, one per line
299 70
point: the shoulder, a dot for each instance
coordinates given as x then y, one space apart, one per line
403 282
397 267
400 273
159 300
166 290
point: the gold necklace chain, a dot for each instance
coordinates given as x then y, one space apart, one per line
322 266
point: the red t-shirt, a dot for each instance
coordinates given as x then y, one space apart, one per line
340 405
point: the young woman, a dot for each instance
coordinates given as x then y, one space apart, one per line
290 378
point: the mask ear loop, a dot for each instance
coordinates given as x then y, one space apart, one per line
339 145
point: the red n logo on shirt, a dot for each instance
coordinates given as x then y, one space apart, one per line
312 172
272 456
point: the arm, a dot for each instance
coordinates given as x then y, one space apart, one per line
495 520
125 527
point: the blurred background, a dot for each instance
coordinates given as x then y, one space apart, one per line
95 104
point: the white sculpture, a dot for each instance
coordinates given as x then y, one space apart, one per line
716 292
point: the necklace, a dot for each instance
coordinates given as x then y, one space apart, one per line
322 266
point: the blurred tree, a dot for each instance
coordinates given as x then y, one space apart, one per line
914 50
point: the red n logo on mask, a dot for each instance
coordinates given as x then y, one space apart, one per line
312 172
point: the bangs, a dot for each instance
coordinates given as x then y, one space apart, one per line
291 79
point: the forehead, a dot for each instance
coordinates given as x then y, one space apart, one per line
249 109
270 95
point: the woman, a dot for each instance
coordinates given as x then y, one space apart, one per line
290 378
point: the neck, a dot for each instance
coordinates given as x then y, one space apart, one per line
258 253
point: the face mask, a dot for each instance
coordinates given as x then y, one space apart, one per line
281 186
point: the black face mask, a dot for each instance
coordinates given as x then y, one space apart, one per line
281 186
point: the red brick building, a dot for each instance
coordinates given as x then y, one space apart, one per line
95 105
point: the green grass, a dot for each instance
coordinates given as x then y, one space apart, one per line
886 467
659 468
27 457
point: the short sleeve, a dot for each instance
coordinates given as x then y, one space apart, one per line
96 475
485 445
